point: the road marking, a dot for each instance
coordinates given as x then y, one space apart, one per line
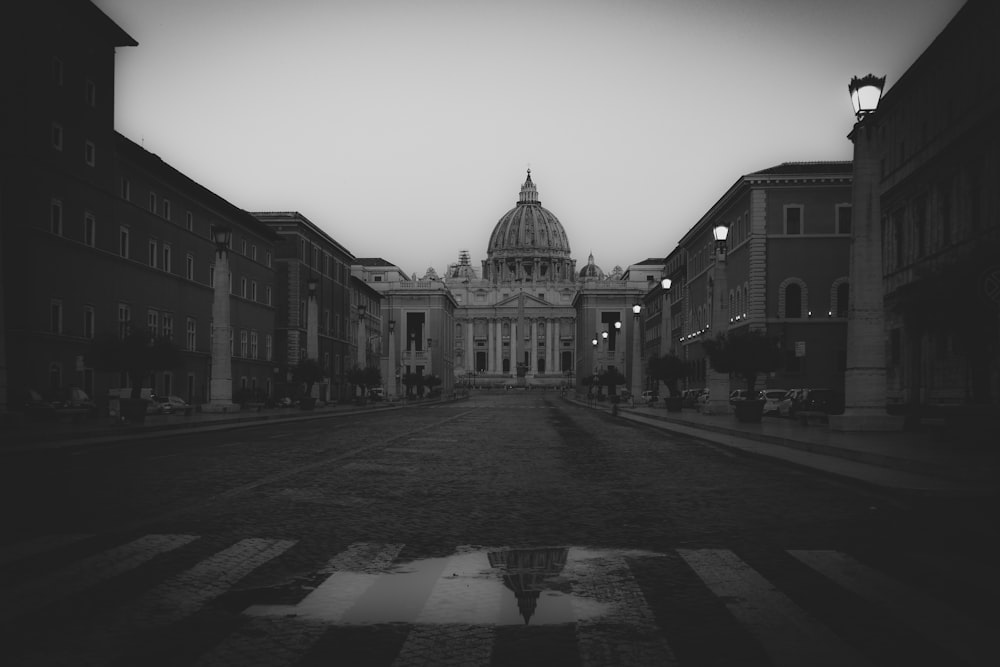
604 578
282 634
934 619
10 553
787 633
37 594
111 636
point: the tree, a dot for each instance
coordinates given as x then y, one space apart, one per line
610 378
140 353
364 378
412 381
745 353
308 372
432 382
667 369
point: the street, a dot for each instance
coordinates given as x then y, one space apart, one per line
513 528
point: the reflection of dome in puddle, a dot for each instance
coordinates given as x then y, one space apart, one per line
525 573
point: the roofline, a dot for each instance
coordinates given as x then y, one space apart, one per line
296 217
154 161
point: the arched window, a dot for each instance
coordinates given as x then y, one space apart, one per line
793 300
843 296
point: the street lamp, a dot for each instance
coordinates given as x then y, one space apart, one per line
718 383
392 359
865 374
312 322
866 93
362 336
636 351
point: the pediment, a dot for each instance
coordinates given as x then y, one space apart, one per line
530 301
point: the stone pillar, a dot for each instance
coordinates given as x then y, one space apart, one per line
718 383
470 347
391 380
549 346
221 385
636 387
533 348
864 378
513 347
498 357
557 345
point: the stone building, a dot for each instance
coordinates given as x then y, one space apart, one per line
939 208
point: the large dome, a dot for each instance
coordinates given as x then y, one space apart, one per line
528 243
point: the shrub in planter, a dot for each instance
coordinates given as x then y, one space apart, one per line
746 354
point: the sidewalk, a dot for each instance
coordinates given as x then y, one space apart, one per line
38 436
928 462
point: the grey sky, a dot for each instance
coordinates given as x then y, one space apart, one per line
404 128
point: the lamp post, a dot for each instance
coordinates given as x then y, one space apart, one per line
220 388
865 376
636 388
393 390
362 336
718 383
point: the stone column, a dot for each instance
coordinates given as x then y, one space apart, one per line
864 378
533 348
513 347
549 346
221 384
557 345
718 383
498 357
470 347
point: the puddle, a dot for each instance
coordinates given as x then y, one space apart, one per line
475 586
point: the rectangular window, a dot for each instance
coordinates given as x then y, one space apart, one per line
253 290
243 287
123 243
267 347
211 275
189 221
267 295
126 189
844 213
56 217
55 316
166 209
167 324
189 267
267 258
793 219
166 258
88 321
124 320
245 247
153 254
89 153
253 252
90 93
190 333
152 202
244 342
57 136
89 229
253 344
153 322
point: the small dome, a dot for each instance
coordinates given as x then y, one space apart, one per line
591 271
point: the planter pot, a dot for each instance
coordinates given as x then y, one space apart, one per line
748 411
307 403
674 403
133 410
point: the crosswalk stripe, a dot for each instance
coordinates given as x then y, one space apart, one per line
37 594
605 579
786 632
281 634
936 620
170 601
10 553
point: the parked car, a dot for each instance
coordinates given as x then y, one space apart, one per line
33 405
648 397
72 398
794 400
738 395
172 405
826 401
772 398
376 394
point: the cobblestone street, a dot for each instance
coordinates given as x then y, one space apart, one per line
511 528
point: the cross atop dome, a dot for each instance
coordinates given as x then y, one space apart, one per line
529 193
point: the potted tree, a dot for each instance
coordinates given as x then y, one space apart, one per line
138 353
668 369
746 354
307 372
